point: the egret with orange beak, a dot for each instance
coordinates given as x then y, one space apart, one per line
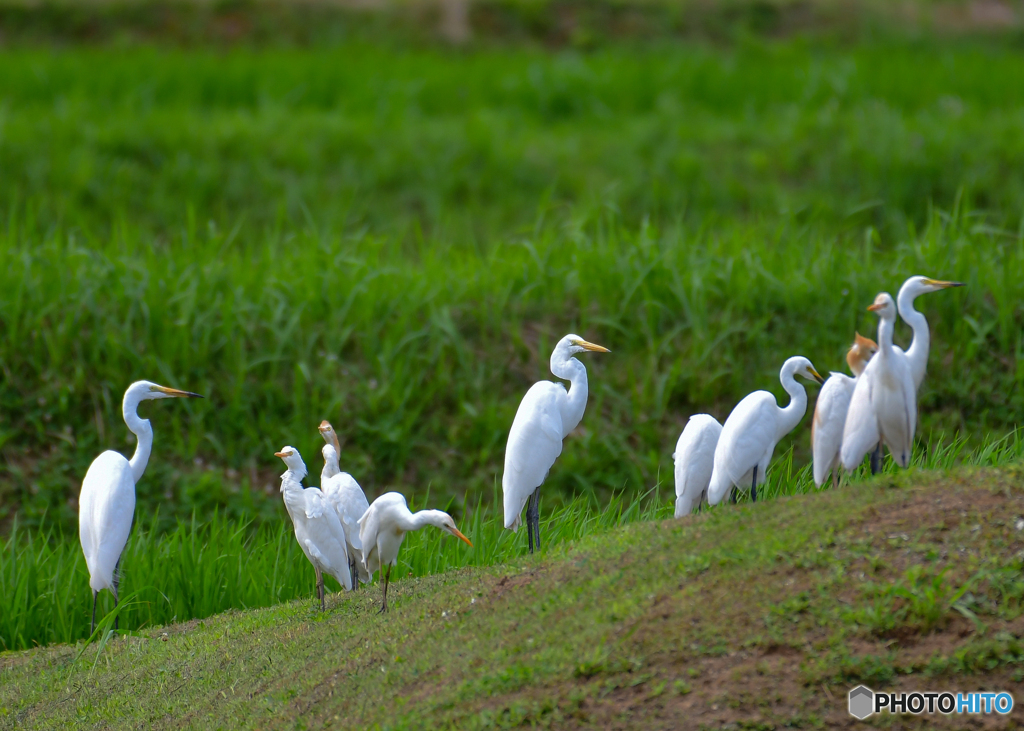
382 530
884 402
546 416
106 504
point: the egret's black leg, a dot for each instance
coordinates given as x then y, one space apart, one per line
876 459
835 477
320 586
529 526
355 574
533 519
387 578
117 591
753 487
94 595
732 496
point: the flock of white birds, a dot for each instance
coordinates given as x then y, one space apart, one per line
347 537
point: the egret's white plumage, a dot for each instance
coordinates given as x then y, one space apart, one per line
318 530
917 353
383 527
546 415
884 402
348 500
695 461
830 411
106 504
753 429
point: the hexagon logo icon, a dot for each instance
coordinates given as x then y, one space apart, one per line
862 702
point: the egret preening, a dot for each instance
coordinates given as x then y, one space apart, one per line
830 411
317 527
753 429
695 461
917 353
348 500
106 504
546 415
883 407
382 530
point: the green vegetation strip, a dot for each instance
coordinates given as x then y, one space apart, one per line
758 614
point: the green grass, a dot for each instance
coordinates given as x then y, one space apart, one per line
393 239
202 568
753 615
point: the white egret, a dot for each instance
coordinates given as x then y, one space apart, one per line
348 500
917 353
546 415
106 504
753 429
382 530
830 411
695 461
317 527
884 402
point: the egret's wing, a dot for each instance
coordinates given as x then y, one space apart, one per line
328 536
353 504
316 503
829 421
370 525
747 434
860 430
106 509
695 460
534 443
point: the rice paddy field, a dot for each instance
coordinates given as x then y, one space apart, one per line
376 227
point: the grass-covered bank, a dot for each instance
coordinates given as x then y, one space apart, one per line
201 568
761 615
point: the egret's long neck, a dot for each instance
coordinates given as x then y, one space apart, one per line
794 411
917 353
143 432
575 372
420 519
886 326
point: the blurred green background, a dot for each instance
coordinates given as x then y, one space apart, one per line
386 215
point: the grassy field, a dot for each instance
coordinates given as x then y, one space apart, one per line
202 568
755 616
395 239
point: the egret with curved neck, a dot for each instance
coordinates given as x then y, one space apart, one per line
106 504
546 416
382 530
754 427
917 353
883 407
348 500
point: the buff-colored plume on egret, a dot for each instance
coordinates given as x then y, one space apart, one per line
546 416
382 530
830 411
695 461
884 402
106 504
317 527
753 429
348 500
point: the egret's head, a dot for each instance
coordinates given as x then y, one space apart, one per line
800 366
292 460
147 390
884 306
860 353
330 436
571 344
448 526
923 285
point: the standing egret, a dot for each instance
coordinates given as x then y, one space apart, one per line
317 528
753 429
348 500
695 461
106 504
382 530
884 402
917 353
547 414
830 411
